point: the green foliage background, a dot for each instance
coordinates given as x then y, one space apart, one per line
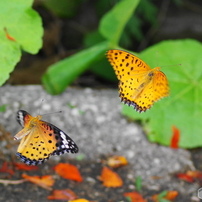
182 109
25 26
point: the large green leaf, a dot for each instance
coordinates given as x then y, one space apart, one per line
113 22
183 108
9 55
62 73
20 27
23 23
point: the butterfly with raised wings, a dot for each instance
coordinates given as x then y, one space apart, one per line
139 86
40 140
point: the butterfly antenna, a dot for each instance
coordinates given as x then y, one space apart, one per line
171 65
52 113
42 100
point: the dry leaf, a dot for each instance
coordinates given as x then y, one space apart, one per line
6 169
45 181
195 174
117 161
190 176
22 166
167 195
110 178
134 196
175 138
8 35
80 200
64 194
68 171
171 195
185 177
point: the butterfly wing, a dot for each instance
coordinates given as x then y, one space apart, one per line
23 118
131 72
153 91
64 144
41 140
127 65
138 84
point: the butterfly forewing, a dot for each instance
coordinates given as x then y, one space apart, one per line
23 117
126 65
42 140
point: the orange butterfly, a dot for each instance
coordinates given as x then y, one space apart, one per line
40 140
140 86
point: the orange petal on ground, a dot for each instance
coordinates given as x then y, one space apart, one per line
134 196
110 178
68 171
5 168
175 138
116 161
185 177
190 175
22 166
195 174
64 194
169 195
45 181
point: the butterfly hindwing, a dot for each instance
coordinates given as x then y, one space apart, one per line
40 140
64 143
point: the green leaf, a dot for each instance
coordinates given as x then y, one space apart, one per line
10 55
65 8
3 108
138 183
183 108
92 38
162 194
61 74
128 199
103 69
148 11
22 23
20 27
113 22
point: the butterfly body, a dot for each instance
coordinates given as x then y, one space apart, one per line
40 140
139 85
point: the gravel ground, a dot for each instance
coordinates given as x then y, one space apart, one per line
93 120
